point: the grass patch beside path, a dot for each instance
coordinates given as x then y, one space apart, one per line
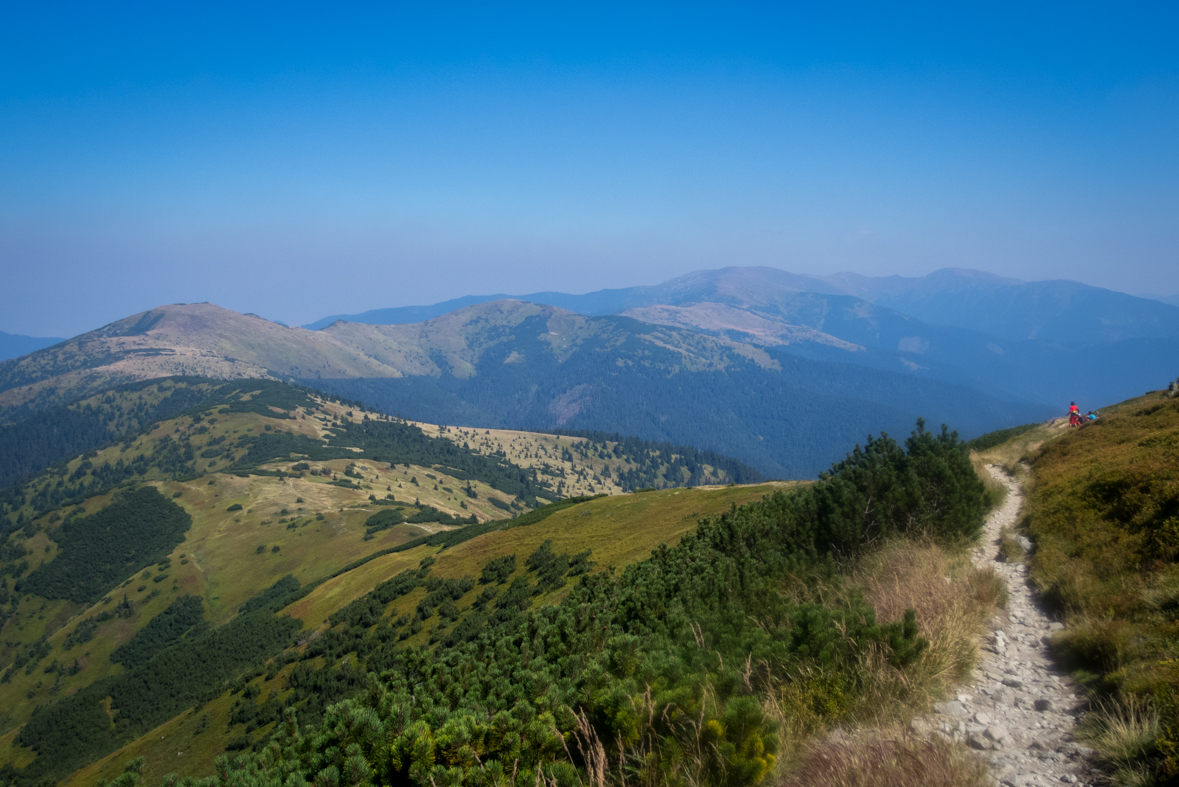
888 761
1021 444
953 601
1104 513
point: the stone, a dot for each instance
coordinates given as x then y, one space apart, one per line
1025 542
997 733
977 741
1020 780
919 726
998 719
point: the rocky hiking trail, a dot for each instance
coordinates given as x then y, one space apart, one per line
1019 711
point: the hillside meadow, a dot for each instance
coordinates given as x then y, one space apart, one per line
497 633
1104 515
270 490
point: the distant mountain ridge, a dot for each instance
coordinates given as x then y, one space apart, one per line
1172 300
13 345
1060 310
516 364
771 367
1007 308
1042 341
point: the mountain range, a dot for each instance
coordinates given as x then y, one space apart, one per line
517 364
1044 342
1061 310
777 369
13 345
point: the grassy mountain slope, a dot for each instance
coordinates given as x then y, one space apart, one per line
707 660
206 340
621 529
182 339
1104 515
257 492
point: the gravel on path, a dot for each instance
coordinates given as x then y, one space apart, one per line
1019 711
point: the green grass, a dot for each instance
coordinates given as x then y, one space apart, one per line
619 529
1124 734
314 608
1104 513
175 746
310 528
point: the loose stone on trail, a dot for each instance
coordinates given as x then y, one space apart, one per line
1022 710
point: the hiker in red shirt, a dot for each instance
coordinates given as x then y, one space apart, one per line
1074 414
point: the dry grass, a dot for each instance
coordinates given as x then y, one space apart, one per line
996 491
1011 454
953 601
1125 735
878 761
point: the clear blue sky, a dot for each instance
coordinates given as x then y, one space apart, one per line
300 160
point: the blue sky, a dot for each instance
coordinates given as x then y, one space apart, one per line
297 161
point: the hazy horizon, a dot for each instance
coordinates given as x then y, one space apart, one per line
298 162
292 323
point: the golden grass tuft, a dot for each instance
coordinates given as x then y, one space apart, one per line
953 600
878 761
1010 550
996 490
1124 733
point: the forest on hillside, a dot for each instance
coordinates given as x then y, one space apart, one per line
46 441
652 675
788 423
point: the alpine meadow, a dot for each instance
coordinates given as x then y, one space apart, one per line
599 395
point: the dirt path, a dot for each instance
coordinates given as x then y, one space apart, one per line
1019 711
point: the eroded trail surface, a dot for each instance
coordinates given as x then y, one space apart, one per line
1021 711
